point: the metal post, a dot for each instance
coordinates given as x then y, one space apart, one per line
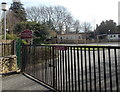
4 8
109 35
4 25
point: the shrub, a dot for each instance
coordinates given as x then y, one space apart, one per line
11 36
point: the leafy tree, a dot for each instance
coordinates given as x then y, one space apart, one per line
15 14
40 31
18 10
118 29
105 26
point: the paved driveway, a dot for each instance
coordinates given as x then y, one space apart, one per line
20 82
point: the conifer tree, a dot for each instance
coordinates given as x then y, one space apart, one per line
18 10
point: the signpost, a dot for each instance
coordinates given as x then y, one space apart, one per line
26 34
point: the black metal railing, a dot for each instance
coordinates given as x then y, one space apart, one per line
7 49
74 68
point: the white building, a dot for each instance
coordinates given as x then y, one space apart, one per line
113 37
70 38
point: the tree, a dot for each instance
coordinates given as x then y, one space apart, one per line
40 31
11 21
18 11
118 29
57 17
77 26
105 26
15 14
86 28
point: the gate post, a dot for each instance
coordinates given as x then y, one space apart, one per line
23 57
18 52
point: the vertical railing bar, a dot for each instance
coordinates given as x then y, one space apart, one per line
75 70
86 68
34 61
69 68
39 73
82 70
104 65
110 69
90 69
50 64
23 58
35 64
61 69
27 65
45 64
116 71
94 69
42 67
78 63
58 69
66 67
2 49
56 61
7 48
53 68
72 68
26 60
99 69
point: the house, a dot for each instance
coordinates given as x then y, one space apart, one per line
113 37
70 38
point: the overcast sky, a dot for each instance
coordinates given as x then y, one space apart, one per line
93 11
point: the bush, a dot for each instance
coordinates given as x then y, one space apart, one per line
37 40
11 36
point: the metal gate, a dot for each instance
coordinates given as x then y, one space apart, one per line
74 68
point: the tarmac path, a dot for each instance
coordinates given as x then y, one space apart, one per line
19 82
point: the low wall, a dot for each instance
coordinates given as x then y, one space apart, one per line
8 64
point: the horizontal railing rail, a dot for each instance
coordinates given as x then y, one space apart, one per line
74 68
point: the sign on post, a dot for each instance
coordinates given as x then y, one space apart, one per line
26 34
